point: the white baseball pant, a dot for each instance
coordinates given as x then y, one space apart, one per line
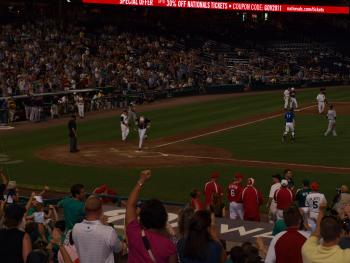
279 214
272 212
286 103
331 128
289 128
236 210
142 133
81 110
125 131
321 106
293 103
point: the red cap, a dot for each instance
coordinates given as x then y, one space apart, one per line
215 175
238 175
314 186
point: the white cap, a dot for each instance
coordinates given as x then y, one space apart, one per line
284 182
39 199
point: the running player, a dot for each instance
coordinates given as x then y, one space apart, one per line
124 125
143 124
331 116
321 101
289 119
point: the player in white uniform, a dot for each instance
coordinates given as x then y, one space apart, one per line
286 98
313 203
293 99
124 125
80 104
321 102
143 124
331 116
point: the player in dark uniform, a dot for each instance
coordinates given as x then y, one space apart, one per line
72 133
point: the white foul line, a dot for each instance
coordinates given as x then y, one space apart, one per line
259 162
229 128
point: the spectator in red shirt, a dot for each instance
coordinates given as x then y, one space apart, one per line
286 246
211 188
196 202
252 199
283 197
234 196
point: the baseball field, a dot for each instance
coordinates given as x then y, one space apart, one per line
189 138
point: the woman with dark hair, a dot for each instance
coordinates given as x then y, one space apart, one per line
148 239
15 243
218 207
201 244
184 219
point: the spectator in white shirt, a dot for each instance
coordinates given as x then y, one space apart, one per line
94 241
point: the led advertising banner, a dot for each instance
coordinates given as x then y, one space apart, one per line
229 6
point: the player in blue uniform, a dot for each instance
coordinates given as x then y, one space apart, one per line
289 119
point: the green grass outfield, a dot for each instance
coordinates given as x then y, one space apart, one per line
260 141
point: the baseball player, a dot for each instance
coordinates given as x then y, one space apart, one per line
124 126
80 104
289 119
331 116
271 203
293 99
321 101
143 124
132 115
234 196
286 98
313 203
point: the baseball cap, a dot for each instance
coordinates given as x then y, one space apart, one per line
250 181
277 176
314 186
215 175
39 199
238 175
306 182
284 182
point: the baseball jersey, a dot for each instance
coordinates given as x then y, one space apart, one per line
211 188
301 195
283 198
252 199
313 202
234 192
321 97
144 124
286 94
289 117
124 119
331 115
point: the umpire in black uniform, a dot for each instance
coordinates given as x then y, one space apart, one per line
72 133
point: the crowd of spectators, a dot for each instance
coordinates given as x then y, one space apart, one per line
45 56
76 229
